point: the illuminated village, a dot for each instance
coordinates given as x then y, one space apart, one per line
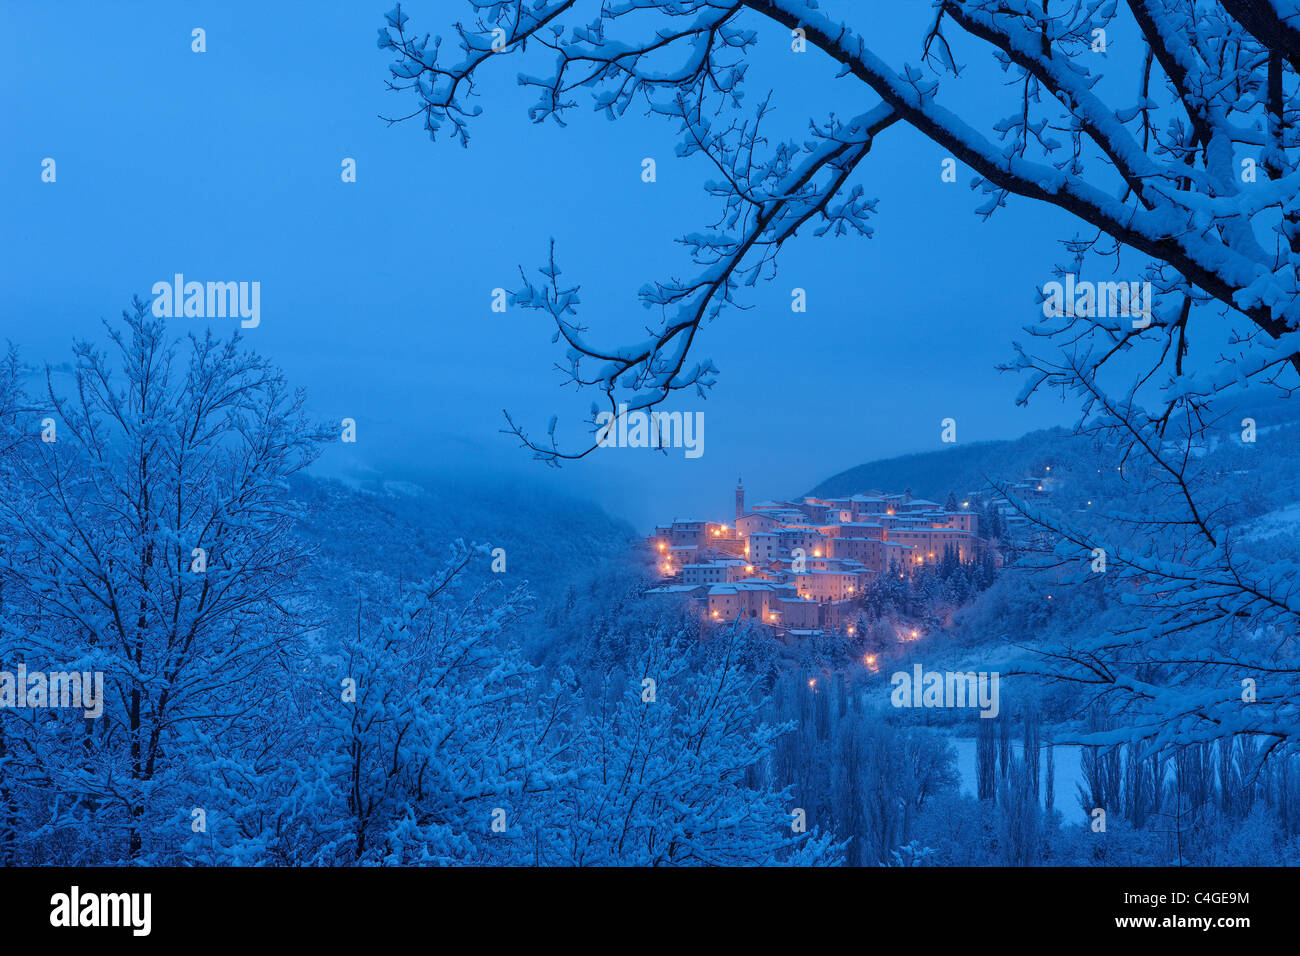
797 566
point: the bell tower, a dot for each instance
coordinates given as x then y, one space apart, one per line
740 499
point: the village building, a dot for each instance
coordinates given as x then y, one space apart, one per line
798 566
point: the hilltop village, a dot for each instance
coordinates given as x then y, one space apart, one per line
799 566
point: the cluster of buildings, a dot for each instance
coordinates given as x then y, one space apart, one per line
797 566
1035 489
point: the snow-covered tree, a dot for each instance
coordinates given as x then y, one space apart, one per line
669 762
433 741
146 532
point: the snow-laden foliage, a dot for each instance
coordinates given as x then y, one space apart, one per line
666 765
411 734
148 533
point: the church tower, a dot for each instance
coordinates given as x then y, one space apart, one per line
740 499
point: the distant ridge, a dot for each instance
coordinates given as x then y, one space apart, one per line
966 466
959 468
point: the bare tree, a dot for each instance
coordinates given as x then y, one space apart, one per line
148 531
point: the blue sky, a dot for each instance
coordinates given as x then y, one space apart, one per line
375 295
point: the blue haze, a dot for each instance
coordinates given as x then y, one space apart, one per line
375 295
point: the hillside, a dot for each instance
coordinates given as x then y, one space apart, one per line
958 468
400 532
968 467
